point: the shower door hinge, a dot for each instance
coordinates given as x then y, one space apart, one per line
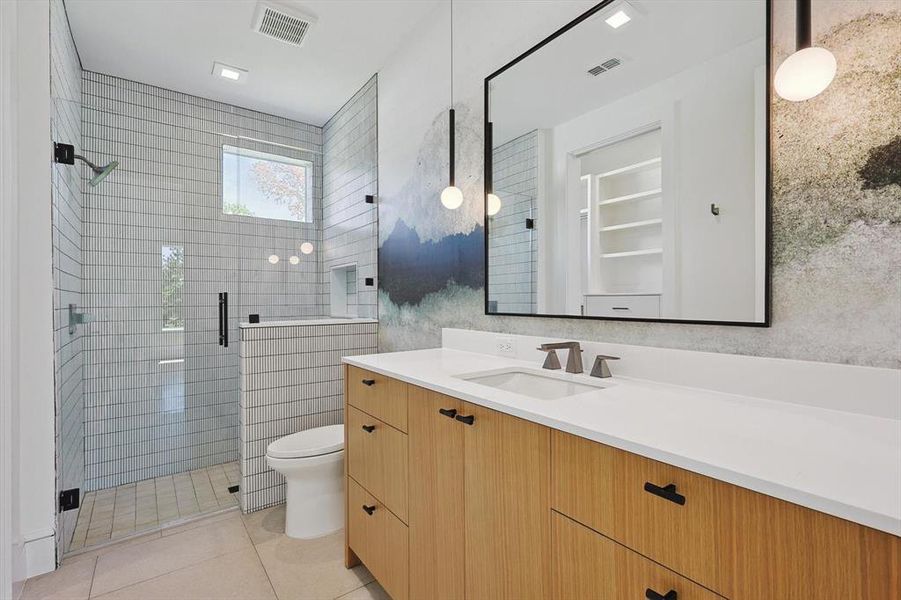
64 153
530 223
69 499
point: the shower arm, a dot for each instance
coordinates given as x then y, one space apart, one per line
94 167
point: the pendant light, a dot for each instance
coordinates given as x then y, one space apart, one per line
451 196
492 201
809 70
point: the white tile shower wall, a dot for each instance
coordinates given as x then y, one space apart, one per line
65 81
350 172
513 249
161 401
291 380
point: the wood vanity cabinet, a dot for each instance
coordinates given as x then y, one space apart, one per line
456 501
436 496
478 501
738 543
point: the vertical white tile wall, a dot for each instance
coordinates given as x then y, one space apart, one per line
350 172
167 192
513 249
65 80
291 380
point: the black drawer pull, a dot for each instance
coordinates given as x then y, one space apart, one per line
652 595
667 493
620 308
368 428
369 382
468 419
448 412
369 509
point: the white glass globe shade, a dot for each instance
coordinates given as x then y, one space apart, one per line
494 205
294 260
306 248
452 197
805 74
273 259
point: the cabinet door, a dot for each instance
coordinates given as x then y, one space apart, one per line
507 520
781 550
436 496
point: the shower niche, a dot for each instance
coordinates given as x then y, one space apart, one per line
343 291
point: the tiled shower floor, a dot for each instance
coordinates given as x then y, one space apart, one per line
122 511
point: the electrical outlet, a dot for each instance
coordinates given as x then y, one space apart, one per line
505 347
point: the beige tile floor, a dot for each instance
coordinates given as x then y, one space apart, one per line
228 555
125 510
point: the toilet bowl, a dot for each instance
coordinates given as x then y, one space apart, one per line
312 462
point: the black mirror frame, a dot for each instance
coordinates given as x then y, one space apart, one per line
488 150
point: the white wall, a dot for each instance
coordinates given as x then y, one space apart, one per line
34 284
12 555
715 267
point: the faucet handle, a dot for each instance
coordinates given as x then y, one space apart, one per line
551 362
600 368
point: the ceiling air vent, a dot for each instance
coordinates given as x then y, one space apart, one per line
608 64
282 23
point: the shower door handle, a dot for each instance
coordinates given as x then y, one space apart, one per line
223 319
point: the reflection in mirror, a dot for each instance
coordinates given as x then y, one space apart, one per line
631 166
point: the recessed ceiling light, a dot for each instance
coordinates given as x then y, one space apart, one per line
618 19
229 72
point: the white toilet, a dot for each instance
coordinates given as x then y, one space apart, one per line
312 462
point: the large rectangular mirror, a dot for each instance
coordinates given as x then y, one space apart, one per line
627 167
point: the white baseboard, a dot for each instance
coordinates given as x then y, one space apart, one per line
40 553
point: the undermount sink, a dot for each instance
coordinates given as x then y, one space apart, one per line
532 383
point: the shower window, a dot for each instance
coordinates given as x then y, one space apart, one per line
269 186
173 285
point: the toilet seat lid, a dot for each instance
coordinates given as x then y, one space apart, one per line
311 442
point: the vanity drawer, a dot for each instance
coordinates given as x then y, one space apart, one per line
377 459
379 539
623 306
382 397
672 516
625 496
587 564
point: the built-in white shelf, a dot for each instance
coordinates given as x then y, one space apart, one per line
633 167
643 252
626 227
635 196
633 225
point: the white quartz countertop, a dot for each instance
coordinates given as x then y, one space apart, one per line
841 463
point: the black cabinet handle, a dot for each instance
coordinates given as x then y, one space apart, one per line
667 493
369 509
652 595
468 419
369 382
448 412
368 428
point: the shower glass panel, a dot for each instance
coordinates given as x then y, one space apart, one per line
160 391
165 271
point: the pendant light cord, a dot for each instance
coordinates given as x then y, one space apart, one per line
452 53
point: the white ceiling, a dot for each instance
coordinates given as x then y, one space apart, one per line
173 43
551 86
